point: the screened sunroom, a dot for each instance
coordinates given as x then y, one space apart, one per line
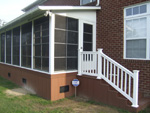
48 39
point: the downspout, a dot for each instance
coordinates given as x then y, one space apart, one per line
98 2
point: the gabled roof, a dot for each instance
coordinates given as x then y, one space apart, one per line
37 2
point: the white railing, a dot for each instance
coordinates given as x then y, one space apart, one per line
103 67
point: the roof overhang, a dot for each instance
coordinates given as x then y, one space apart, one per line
39 10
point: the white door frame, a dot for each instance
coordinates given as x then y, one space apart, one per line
80 40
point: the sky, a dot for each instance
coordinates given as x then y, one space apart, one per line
10 9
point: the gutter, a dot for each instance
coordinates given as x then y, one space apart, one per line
98 3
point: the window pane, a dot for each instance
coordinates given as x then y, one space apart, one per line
60 22
41 44
86 1
136 10
72 63
66 42
88 28
87 46
136 49
72 50
8 47
45 50
37 40
60 50
73 37
45 39
16 46
26 44
37 50
136 28
87 37
45 64
60 64
3 47
45 33
60 36
37 64
129 12
143 9
72 24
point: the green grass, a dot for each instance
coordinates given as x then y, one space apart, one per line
35 104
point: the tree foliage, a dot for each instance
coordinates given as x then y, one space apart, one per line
2 22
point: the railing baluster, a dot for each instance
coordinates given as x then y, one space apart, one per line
104 71
129 87
107 69
121 80
114 75
118 77
110 71
125 83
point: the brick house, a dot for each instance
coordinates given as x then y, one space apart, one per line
54 42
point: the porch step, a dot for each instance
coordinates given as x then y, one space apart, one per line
101 91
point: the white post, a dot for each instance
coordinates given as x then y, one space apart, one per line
100 51
135 88
79 62
51 43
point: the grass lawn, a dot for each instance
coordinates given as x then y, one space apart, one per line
34 104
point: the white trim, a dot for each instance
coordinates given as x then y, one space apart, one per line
11 46
20 45
25 68
138 16
69 8
32 39
51 43
5 49
61 72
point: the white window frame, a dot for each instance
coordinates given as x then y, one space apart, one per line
81 3
131 17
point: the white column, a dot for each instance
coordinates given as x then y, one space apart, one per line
100 51
20 44
12 46
135 88
79 62
32 44
5 48
51 43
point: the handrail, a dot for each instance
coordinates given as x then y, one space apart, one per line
103 67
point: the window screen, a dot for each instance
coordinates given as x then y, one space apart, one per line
26 45
16 46
8 47
41 44
66 43
3 47
87 37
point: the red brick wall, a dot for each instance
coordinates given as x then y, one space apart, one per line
110 37
62 2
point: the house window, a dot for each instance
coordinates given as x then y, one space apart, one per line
3 47
83 2
8 47
41 44
136 35
66 43
26 45
16 46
